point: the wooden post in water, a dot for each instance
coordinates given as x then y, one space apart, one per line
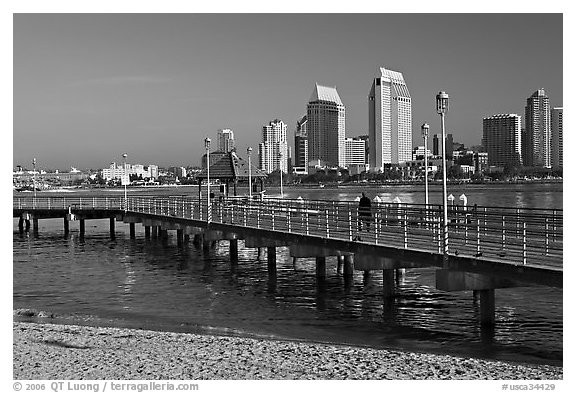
487 307
388 283
348 267
180 237
35 225
21 225
146 231
132 230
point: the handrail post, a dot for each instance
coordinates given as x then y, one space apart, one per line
546 232
503 233
327 226
524 253
405 228
349 223
477 236
376 224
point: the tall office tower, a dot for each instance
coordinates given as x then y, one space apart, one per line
301 143
273 150
538 138
389 120
366 140
354 151
326 116
437 145
225 140
557 141
501 139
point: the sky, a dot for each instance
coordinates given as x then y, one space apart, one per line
89 87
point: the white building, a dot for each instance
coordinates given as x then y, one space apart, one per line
354 151
225 139
326 125
557 141
273 150
419 151
538 137
389 120
120 171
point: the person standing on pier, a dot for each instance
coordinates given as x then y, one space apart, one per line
364 212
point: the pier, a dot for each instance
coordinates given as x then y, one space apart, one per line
489 247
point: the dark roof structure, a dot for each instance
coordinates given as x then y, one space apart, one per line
231 167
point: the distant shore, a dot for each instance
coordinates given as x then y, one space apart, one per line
50 351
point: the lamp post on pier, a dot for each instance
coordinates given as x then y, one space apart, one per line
124 174
34 175
207 146
249 152
442 99
425 129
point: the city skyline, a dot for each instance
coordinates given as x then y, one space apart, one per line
155 85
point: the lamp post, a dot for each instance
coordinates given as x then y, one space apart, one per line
249 152
442 107
425 129
124 155
34 176
207 146
280 155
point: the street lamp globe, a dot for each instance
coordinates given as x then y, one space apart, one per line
442 99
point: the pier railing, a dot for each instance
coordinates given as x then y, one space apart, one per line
514 235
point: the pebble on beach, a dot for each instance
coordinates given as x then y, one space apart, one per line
50 351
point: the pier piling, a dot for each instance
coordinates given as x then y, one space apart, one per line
112 228
271 257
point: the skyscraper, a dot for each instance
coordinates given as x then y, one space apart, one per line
538 136
273 150
225 140
437 145
389 120
326 117
501 139
301 143
354 151
557 139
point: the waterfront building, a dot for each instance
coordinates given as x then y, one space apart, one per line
389 120
273 150
502 139
418 153
326 118
118 171
557 141
354 151
538 136
301 144
225 140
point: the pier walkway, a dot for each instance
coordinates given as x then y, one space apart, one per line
488 247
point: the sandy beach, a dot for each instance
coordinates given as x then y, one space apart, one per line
52 351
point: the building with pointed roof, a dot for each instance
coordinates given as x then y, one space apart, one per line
326 126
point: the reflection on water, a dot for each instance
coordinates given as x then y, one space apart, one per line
156 284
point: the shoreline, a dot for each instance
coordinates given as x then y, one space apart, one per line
68 351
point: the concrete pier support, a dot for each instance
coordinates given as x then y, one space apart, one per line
21 225
82 227
147 231
348 270
35 225
112 228
233 250
27 222
487 307
154 231
180 237
132 230
340 259
320 268
271 257
66 226
388 283
186 238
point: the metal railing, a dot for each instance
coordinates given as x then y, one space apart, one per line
515 235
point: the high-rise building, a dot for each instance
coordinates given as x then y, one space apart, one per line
437 145
354 151
301 143
389 120
225 140
538 137
326 118
557 141
501 139
273 150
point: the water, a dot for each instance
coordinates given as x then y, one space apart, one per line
157 285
